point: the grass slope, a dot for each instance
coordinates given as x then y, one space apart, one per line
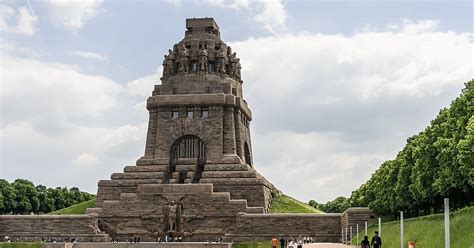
79 208
428 231
284 204
21 245
252 244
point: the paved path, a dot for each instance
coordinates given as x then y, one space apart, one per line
326 245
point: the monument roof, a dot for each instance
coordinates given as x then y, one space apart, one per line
207 22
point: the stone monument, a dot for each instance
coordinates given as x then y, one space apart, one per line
196 180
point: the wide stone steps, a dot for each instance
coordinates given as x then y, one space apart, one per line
137 175
228 174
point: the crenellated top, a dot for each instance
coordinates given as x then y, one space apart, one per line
201 52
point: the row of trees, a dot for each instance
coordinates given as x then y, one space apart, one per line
434 164
23 197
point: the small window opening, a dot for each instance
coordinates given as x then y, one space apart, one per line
190 114
205 114
175 114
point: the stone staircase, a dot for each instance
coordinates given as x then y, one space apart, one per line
240 180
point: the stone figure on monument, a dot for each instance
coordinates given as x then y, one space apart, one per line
233 65
202 58
168 64
237 70
183 59
172 209
94 225
220 67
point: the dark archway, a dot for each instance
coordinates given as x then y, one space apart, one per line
187 148
248 158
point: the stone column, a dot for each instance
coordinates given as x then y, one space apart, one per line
228 145
151 134
238 138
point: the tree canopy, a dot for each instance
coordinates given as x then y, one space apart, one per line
434 164
23 197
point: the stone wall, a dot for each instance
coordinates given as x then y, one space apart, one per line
353 217
321 227
202 213
140 245
35 227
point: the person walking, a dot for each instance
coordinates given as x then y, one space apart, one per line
274 242
300 242
282 242
376 241
365 243
291 243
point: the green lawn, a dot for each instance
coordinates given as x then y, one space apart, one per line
79 208
252 244
21 245
428 231
284 204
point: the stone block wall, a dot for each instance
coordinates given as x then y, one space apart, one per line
321 227
35 227
203 214
355 216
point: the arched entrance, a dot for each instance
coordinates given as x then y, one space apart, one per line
247 157
186 149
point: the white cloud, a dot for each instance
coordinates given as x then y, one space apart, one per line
339 105
21 20
54 88
365 65
91 55
72 14
272 16
305 165
85 159
143 86
64 119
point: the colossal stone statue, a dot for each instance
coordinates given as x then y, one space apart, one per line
172 209
220 67
202 58
183 59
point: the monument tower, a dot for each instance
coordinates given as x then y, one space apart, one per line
198 136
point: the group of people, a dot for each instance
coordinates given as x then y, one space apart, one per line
290 242
298 243
376 241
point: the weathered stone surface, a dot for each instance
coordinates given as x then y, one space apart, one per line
35 227
321 227
141 245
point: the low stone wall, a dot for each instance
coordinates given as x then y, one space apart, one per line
356 216
141 245
35 227
321 227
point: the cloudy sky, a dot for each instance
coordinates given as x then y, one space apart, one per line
336 87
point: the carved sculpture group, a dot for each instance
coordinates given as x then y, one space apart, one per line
224 61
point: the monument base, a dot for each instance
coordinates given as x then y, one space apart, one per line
139 245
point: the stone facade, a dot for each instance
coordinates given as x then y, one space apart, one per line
199 124
35 227
196 179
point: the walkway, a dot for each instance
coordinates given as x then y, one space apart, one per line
326 245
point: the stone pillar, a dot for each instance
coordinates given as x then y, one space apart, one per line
238 136
151 134
228 146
